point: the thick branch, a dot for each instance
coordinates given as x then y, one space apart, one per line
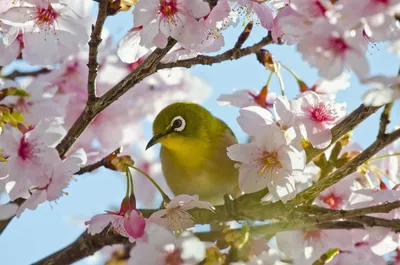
84 246
17 73
309 194
385 120
346 125
87 245
95 40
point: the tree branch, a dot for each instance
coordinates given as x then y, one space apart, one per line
95 40
86 245
231 54
98 164
34 73
346 125
91 111
385 120
309 194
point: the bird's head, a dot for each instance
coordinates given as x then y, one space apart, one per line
180 123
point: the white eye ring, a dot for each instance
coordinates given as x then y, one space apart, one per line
181 125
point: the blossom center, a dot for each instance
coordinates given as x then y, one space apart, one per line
177 217
25 149
174 257
332 200
338 45
46 15
313 234
269 162
168 8
322 112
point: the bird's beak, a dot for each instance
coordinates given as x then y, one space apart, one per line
155 139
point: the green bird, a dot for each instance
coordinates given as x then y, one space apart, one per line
194 152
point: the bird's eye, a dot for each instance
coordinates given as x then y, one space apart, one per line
178 124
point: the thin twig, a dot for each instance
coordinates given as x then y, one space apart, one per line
98 164
95 40
34 73
385 120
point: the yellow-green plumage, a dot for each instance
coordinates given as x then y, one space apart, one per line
194 160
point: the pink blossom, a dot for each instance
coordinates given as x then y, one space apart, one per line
268 161
260 10
290 26
337 196
129 49
51 30
254 120
387 89
10 44
175 18
28 153
41 102
316 116
58 174
330 49
161 247
175 215
354 10
245 98
127 222
307 246
134 224
331 87
360 255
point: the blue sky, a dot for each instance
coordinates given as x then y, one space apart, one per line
51 227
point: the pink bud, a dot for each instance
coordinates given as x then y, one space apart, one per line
134 223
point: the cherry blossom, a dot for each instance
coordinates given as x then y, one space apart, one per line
41 102
10 44
245 98
316 116
51 30
161 247
331 87
28 152
330 49
127 222
307 246
175 18
268 161
258 9
337 196
58 174
175 215
129 49
254 120
387 89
